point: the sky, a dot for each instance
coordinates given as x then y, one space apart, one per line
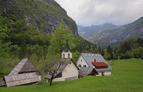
98 12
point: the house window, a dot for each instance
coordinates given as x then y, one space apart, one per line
84 65
59 75
79 65
68 55
63 55
81 60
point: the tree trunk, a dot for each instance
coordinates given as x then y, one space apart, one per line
51 81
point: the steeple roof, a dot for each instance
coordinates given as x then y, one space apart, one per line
66 49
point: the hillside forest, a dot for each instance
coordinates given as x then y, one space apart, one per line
17 40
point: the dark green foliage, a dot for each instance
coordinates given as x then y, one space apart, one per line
126 50
83 45
23 49
29 51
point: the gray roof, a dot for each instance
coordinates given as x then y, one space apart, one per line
84 71
66 49
62 67
13 80
24 65
89 57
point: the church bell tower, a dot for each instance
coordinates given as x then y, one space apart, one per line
66 53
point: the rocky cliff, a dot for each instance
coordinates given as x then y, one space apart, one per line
42 15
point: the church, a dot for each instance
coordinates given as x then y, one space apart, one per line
68 71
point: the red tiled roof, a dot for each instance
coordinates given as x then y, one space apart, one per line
97 64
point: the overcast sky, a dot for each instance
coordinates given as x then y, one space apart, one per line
96 12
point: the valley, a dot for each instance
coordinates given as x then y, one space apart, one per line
112 35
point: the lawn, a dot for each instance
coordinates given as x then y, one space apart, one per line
127 76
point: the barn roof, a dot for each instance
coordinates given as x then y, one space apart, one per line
84 71
89 58
25 65
2 83
26 78
62 67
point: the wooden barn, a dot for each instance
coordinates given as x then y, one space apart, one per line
68 70
95 61
84 71
23 73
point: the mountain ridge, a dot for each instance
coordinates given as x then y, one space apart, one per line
86 32
113 37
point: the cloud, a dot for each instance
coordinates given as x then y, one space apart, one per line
96 12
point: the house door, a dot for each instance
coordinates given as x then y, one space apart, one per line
102 73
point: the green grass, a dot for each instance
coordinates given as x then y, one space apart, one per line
127 77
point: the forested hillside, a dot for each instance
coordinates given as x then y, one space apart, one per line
128 49
18 40
42 15
113 37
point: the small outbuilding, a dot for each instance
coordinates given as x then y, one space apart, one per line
23 73
84 71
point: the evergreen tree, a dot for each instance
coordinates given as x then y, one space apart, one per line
29 52
23 50
108 49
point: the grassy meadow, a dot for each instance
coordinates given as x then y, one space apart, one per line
127 76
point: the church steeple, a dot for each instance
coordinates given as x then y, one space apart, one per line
66 52
66 49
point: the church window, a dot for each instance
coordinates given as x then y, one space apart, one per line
68 55
63 55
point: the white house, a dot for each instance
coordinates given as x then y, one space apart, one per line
95 61
68 71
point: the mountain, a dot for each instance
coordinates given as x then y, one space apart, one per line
42 15
114 36
87 32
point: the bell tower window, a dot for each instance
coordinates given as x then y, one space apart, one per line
63 55
68 55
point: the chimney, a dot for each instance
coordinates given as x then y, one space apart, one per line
94 60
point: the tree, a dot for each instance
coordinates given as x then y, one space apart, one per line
23 49
58 41
4 23
75 55
108 49
53 66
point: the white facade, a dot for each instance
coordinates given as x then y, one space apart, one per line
69 73
106 73
66 54
81 62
